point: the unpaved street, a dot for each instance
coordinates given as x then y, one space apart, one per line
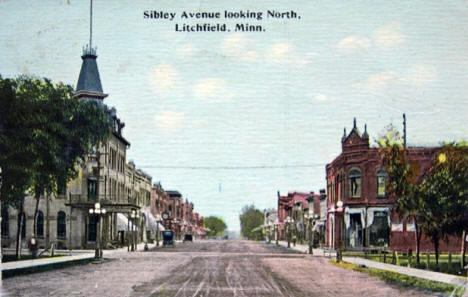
205 268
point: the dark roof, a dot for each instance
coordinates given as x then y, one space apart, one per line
173 194
89 79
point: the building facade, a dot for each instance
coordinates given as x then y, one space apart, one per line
64 220
360 211
182 217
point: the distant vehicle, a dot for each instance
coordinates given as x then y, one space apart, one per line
168 238
188 237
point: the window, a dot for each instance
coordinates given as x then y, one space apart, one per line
379 231
40 224
92 228
5 222
61 187
61 225
355 182
381 183
92 189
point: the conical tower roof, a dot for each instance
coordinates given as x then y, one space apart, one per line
89 81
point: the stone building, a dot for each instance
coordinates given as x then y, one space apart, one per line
105 177
359 210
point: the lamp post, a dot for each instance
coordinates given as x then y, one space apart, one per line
99 212
288 230
276 231
307 217
158 221
270 231
176 228
134 215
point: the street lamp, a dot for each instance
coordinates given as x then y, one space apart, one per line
288 221
158 221
312 219
99 212
134 215
276 230
270 231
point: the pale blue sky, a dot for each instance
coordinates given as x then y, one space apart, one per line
276 98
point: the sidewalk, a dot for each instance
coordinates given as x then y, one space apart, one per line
76 256
304 248
420 273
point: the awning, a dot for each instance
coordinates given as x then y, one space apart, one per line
151 223
122 222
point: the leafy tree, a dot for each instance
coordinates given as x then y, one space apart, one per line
44 133
250 219
214 226
438 200
402 177
446 194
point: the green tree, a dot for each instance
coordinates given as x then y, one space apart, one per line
446 194
44 133
250 219
214 226
402 180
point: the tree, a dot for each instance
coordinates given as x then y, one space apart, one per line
446 193
250 219
44 133
402 177
438 200
214 226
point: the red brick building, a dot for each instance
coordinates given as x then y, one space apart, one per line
295 205
359 209
182 217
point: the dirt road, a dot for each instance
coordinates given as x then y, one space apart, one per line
206 268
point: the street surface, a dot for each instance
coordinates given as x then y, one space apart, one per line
205 268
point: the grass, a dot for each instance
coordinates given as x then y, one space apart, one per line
405 280
447 263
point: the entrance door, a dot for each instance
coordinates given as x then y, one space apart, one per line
354 233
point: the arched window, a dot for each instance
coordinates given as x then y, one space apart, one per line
355 182
5 222
23 225
381 183
61 225
40 224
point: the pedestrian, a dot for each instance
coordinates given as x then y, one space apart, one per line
33 247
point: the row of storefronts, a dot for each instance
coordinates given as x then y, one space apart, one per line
355 212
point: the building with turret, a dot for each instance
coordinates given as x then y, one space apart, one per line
360 212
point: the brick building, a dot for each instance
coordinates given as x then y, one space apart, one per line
182 217
359 210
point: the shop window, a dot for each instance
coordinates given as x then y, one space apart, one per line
379 231
40 224
61 225
355 182
381 183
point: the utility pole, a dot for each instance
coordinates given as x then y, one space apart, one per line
404 131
